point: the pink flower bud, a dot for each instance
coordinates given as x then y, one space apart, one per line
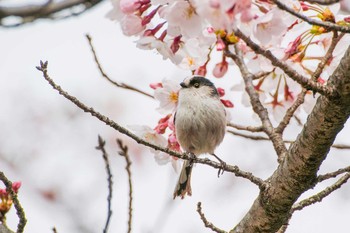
175 46
156 85
202 70
220 69
3 193
221 91
227 103
321 80
16 185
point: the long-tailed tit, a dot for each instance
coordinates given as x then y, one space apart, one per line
200 124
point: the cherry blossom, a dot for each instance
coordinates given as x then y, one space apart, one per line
167 95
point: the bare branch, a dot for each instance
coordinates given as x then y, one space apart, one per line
334 174
30 13
206 222
54 230
324 193
19 209
247 128
262 138
258 108
293 74
290 111
322 2
101 147
327 25
252 137
229 168
124 153
122 85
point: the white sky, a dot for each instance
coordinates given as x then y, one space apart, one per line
48 144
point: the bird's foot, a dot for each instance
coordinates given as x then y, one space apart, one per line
222 167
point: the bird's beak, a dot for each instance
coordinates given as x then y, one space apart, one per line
182 84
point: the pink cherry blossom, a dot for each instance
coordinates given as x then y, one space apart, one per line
167 96
132 25
129 6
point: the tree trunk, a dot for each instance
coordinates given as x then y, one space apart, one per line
298 171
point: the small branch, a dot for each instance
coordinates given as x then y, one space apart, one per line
124 153
293 74
319 196
327 25
313 199
19 209
101 147
54 230
247 128
252 137
321 2
290 111
258 108
206 222
29 13
327 56
229 168
334 174
262 138
121 85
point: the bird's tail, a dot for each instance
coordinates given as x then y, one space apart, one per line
183 186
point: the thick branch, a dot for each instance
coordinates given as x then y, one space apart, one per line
298 171
258 108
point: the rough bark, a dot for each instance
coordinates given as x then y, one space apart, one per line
297 172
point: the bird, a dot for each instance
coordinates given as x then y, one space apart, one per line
200 125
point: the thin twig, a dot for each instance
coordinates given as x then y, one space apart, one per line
334 174
298 120
321 2
290 111
327 25
247 128
101 147
316 74
229 168
205 220
324 193
293 74
124 153
19 209
54 230
103 73
315 198
263 138
252 137
50 10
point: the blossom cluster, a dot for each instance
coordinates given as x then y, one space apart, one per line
189 32
6 199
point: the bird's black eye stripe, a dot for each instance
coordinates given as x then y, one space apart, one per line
196 84
201 81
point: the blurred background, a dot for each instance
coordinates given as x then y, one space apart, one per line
49 144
